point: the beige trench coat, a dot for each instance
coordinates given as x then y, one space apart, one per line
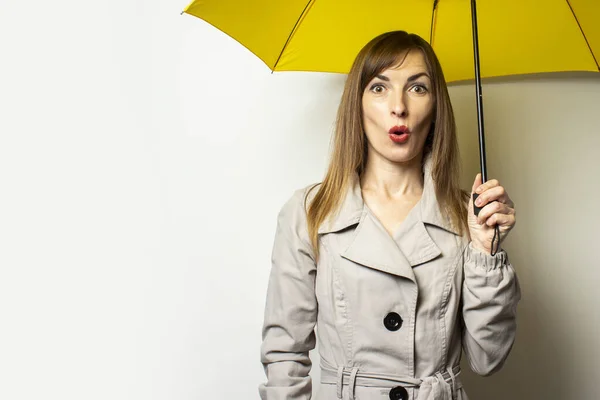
392 314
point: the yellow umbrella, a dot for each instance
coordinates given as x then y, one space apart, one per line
515 36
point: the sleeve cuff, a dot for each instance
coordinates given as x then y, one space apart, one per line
479 259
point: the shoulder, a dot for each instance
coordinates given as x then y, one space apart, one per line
298 202
293 212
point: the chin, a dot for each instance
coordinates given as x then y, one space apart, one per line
405 160
402 155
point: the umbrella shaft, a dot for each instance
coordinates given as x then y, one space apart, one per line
478 93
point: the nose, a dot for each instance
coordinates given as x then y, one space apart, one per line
398 105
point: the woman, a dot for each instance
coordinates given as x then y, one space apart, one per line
385 256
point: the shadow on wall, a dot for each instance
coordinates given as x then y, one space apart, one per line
541 139
537 361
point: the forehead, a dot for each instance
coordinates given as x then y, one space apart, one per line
408 64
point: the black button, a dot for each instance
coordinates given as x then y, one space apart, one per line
398 393
392 321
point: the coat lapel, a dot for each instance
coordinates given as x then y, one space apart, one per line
428 205
412 236
416 243
373 247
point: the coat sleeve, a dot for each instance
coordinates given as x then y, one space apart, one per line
291 308
491 293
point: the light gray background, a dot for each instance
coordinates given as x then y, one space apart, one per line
143 159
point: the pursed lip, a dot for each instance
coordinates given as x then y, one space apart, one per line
399 129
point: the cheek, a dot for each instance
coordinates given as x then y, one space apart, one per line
429 108
369 119
425 112
371 111
366 110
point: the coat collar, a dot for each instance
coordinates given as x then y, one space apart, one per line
374 247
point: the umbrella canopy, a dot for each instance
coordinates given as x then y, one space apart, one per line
515 36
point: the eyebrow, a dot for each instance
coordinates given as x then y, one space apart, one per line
410 78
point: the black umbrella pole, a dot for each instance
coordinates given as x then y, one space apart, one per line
479 104
478 91
496 238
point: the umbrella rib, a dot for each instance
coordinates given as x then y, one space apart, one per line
433 14
584 37
292 33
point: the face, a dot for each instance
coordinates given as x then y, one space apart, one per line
399 100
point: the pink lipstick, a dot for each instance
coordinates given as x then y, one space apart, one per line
399 134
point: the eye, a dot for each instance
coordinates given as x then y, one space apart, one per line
374 88
419 89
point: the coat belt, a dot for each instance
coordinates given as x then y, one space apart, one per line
440 386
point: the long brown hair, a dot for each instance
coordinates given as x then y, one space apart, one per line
349 152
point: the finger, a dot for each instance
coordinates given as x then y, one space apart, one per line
502 220
477 183
487 185
493 208
497 193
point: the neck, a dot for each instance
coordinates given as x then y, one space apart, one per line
392 180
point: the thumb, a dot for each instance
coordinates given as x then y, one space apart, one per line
476 184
